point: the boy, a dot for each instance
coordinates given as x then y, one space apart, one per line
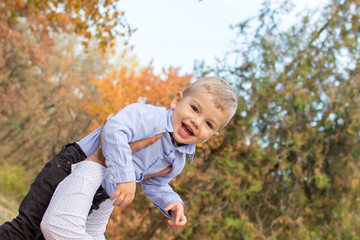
194 116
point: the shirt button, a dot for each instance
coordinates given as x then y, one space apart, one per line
162 157
111 176
107 162
68 162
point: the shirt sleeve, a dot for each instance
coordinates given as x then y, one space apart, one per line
160 194
134 122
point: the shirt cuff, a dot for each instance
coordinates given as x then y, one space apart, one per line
120 175
166 203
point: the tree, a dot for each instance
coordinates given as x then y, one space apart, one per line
286 167
45 109
124 86
100 19
46 72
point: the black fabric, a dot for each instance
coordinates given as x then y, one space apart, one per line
26 226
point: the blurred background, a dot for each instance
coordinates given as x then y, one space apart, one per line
287 165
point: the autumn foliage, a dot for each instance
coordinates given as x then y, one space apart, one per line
45 72
124 86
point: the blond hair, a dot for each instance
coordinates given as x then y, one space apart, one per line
225 97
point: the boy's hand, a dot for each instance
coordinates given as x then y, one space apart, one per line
125 193
177 211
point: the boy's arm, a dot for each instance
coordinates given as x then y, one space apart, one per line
128 189
134 122
130 124
164 197
125 192
160 193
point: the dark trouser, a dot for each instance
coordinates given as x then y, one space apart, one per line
27 224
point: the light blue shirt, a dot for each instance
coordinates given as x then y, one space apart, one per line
135 122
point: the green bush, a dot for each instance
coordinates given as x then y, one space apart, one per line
13 180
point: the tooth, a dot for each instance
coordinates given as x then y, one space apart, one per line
188 128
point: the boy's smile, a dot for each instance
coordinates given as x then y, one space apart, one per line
196 117
186 131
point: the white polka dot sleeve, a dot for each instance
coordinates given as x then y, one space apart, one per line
67 214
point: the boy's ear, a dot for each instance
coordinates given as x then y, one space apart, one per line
212 136
215 135
176 99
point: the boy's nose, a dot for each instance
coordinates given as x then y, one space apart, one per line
195 122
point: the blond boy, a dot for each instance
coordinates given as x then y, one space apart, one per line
195 115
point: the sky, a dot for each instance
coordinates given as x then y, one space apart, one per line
177 32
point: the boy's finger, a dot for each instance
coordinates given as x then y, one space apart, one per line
174 225
169 207
176 219
114 195
182 221
127 200
119 200
170 224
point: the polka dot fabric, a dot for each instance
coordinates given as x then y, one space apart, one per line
67 214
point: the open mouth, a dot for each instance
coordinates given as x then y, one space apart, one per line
186 131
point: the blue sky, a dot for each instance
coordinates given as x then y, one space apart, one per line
176 32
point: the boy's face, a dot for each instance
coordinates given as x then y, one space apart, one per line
195 118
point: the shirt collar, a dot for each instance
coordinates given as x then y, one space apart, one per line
184 148
169 126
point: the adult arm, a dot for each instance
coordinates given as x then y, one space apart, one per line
66 216
99 158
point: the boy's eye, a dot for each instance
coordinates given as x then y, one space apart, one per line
195 109
209 125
